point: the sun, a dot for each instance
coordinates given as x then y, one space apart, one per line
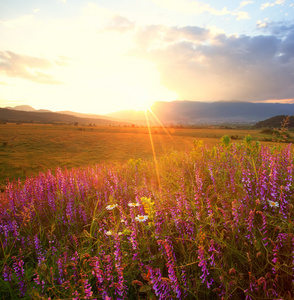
141 98
142 104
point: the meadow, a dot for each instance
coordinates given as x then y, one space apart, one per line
27 149
211 222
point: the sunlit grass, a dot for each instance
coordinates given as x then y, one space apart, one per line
219 225
28 149
36 148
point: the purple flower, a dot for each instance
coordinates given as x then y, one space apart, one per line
19 271
38 281
7 273
87 288
100 275
160 286
203 264
39 250
171 267
120 288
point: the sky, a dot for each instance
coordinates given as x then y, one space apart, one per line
103 56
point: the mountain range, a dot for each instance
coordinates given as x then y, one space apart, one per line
27 114
175 112
192 112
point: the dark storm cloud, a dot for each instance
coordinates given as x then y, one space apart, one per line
23 66
201 66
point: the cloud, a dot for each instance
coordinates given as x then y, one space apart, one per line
120 24
285 32
286 53
260 24
244 3
62 61
281 29
198 65
268 4
265 5
197 8
285 101
20 22
160 36
27 67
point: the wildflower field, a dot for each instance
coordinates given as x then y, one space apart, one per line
211 223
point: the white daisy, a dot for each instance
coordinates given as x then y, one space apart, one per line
273 203
133 204
141 218
109 232
111 206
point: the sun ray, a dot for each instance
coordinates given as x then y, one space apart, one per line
153 151
164 128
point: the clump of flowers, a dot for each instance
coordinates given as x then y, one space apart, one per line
219 225
147 204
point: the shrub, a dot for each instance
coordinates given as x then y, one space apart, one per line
267 131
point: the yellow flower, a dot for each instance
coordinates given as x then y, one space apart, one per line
147 200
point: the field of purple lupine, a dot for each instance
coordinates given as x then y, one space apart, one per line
214 223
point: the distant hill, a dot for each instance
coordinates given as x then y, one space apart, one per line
275 122
193 112
22 108
88 116
204 112
12 115
136 117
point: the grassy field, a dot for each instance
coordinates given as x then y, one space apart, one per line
210 223
28 149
